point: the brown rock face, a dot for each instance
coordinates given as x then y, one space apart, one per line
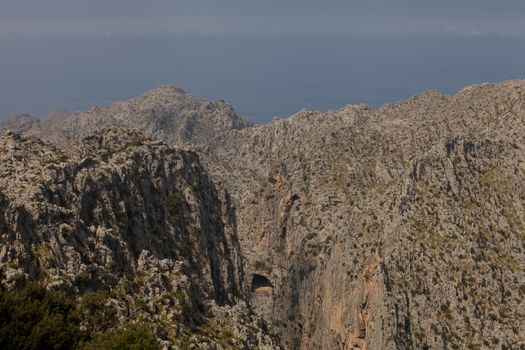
397 228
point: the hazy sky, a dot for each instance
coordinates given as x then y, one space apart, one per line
266 57
79 18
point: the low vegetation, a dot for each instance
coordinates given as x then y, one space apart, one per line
35 318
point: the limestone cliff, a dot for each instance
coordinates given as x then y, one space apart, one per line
396 228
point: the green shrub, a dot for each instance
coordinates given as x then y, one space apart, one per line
95 314
129 337
175 202
35 318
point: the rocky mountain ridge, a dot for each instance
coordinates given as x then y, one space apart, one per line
120 213
168 113
396 228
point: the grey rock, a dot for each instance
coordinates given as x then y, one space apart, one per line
119 211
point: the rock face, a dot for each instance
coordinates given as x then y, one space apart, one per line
397 228
121 212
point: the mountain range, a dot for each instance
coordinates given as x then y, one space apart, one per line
394 228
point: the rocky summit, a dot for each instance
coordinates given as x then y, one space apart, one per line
394 228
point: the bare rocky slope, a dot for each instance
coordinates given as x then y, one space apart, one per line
134 220
396 228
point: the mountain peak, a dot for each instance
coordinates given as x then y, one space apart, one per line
167 88
166 93
21 122
167 113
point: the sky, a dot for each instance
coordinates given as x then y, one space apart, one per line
31 19
267 58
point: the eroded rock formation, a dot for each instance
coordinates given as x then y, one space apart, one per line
135 217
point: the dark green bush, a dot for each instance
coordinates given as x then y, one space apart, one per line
35 318
175 202
95 314
130 337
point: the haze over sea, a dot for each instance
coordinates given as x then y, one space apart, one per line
260 75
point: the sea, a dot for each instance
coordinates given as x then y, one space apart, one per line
261 76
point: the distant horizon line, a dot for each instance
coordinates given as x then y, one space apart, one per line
256 35
270 117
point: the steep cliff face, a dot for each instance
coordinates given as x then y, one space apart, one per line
397 228
122 213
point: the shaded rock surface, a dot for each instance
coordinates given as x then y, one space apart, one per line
396 228
122 213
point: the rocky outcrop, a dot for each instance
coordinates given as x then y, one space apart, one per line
396 228
135 217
